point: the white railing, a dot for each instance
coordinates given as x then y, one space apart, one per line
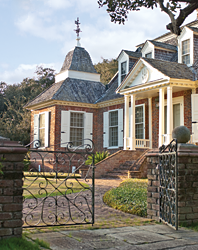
191 140
165 139
139 143
142 143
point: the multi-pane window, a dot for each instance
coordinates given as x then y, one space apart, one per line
148 55
123 70
186 51
42 129
113 128
139 122
76 128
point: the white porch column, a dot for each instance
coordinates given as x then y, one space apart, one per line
126 121
161 116
169 114
132 114
150 121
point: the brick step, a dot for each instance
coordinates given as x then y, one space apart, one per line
134 174
118 172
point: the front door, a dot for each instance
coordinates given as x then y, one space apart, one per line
176 117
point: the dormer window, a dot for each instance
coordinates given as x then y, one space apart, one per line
123 70
148 55
186 51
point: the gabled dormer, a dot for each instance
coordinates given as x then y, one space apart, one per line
126 60
159 50
148 50
186 46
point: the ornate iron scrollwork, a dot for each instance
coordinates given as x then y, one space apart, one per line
168 184
57 197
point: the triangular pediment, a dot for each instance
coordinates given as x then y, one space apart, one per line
142 73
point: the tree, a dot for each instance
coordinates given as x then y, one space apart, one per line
14 118
118 10
107 69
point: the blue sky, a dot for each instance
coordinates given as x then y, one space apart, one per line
41 32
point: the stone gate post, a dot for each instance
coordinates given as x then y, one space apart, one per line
11 201
187 184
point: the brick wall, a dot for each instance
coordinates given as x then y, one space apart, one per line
11 200
187 184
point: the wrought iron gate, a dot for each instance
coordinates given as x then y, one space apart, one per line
168 184
53 197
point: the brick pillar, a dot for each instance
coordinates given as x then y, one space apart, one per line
187 184
11 200
153 185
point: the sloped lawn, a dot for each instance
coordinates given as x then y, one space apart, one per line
130 197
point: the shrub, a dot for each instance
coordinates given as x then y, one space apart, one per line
99 156
129 197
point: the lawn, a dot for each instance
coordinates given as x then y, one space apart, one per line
22 244
40 187
130 197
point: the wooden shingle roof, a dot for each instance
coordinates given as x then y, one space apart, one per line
78 59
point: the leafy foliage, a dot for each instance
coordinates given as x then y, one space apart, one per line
119 9
14 118
107 69
129 197
99 156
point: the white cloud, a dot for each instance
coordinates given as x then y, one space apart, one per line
58 4
39 27
25 71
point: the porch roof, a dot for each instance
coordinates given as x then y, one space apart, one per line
172 73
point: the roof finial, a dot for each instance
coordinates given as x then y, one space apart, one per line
78 31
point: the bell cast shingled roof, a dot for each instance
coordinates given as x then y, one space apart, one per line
78 59
72 90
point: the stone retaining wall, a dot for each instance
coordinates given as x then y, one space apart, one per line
187 184
11 200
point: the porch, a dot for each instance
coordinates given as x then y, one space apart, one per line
170 115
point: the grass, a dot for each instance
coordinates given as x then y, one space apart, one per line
194 226
130 197
41 187
22 243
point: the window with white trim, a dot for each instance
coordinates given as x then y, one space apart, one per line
186 51
148 55
41 129
123 70
139 122
76 127
113 128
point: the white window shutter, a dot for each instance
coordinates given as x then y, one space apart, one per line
46 129
88 126
105 129
36 128
194 103
65 128
120 127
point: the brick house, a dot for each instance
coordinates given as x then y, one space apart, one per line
153 91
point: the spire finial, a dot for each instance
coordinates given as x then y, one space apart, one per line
78 31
